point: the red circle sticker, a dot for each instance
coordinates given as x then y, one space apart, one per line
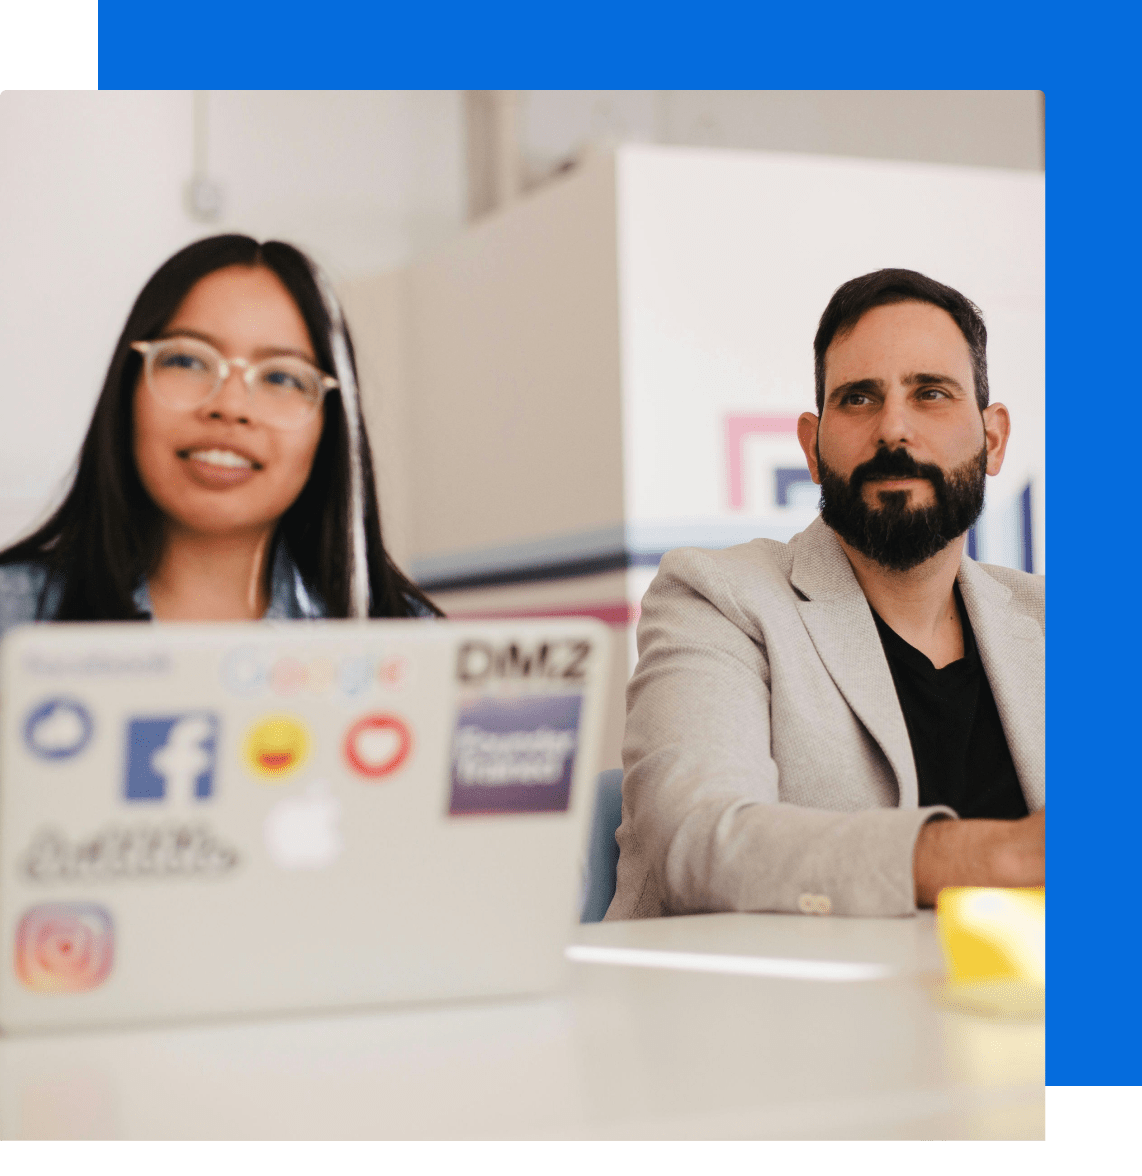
377 745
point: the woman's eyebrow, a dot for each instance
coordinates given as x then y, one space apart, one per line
259 353
268 352
190 333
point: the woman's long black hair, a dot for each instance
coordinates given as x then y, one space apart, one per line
108 533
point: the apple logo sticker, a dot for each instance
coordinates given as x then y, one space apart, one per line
304 832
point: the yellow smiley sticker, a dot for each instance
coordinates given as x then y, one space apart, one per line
276 747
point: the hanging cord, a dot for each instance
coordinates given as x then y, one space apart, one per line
256 576
350 401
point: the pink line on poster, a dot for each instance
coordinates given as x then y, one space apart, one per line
619 614
738 427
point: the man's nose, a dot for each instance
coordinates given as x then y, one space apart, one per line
894 422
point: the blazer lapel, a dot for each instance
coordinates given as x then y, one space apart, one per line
840 624
1012 650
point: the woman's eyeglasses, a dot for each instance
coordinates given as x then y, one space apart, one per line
285 391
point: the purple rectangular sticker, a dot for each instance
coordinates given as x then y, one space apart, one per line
515 755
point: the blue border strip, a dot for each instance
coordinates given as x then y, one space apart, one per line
518 44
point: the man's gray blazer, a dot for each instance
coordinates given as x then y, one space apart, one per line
767 766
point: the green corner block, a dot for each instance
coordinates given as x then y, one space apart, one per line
48 44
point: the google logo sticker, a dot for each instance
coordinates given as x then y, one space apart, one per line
377 745
249 672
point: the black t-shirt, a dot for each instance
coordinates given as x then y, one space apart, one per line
961 753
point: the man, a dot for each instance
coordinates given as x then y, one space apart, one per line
850 721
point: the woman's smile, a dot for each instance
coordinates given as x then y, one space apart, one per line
221 457
218 467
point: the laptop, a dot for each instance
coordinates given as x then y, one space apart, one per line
236 819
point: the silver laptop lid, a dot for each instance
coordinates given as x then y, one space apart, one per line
225 819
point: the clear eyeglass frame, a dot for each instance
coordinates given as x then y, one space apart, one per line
150 351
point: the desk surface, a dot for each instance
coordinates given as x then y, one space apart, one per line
621 1052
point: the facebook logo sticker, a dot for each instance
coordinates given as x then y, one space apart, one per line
171 757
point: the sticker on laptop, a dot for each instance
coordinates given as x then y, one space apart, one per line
171 757
377 746
354 675
558 663
393 671
58 729
276 746
515 755
303 832
64 947
244 670
288 676
118 853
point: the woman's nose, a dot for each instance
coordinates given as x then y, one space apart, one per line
232 400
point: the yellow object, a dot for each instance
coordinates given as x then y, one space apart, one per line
276 747
994 942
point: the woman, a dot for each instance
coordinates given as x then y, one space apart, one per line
226 474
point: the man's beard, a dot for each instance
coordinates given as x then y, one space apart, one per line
893 534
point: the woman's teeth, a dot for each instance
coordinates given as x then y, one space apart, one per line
221 457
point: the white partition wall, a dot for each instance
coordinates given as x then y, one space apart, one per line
613 366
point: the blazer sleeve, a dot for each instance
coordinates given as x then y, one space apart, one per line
703 828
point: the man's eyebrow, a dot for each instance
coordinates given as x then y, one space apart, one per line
917 378
867 385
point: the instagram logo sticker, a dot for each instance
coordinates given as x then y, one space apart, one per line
64 947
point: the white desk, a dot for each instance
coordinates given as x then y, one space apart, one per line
621 1052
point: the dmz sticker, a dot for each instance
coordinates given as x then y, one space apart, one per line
58 729
515 755
171 757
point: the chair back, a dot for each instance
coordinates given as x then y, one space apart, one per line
602 849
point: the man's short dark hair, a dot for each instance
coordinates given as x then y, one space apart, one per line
884 287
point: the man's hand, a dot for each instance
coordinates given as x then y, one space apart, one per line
978 853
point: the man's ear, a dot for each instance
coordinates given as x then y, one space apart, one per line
807 434
996 431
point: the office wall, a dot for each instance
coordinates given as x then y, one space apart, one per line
90 203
